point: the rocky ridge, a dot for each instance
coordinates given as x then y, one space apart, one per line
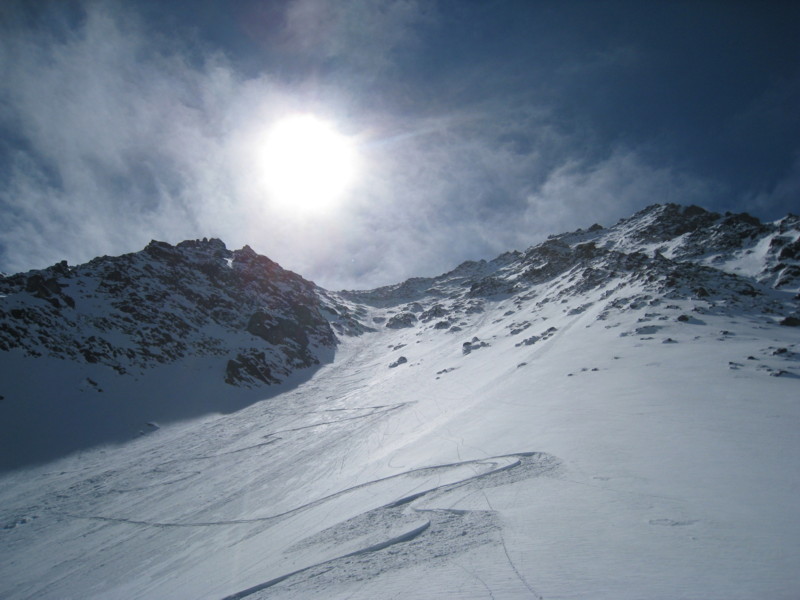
198 298
166 303
722 263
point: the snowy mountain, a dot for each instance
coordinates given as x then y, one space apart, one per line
166 303
612 413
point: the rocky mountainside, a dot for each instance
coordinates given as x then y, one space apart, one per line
733 263
167 303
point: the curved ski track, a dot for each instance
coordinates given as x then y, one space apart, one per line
537 463
501 470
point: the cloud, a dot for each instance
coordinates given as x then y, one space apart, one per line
773 202
116 131
115 135
582 194
362 34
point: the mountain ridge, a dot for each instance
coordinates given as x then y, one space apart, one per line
609 413
243 321
166 302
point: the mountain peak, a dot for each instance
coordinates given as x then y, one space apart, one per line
165 303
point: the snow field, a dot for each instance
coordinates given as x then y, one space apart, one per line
597 461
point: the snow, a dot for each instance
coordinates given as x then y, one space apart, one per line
604 435
609 466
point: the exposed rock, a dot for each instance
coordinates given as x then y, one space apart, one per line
437 311
165 303
401 320
528 341
474 344
198 298
401 360
249 369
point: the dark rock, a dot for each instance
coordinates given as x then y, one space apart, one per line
401 360
475 344
490 286
474 308
529 341
402 320
587 250
701 292
437 311
277 330
249 368
790 251
414 307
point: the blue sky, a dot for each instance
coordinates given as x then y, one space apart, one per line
481 126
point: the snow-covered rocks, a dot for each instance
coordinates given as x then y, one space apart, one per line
168 303
402 320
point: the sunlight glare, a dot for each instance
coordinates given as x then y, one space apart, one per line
308 164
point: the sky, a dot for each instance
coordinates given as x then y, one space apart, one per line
479 126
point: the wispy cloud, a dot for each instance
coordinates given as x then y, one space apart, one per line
120 136
116 135
362 34
608 189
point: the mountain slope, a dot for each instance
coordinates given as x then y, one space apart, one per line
605 415
197 317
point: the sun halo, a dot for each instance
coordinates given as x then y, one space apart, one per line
308 165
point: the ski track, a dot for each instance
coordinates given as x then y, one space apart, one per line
508 556
446 524
375 411
405 537
543 464
319 501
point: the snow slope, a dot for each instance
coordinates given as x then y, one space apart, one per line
570 422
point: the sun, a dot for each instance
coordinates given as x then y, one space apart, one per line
308 165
